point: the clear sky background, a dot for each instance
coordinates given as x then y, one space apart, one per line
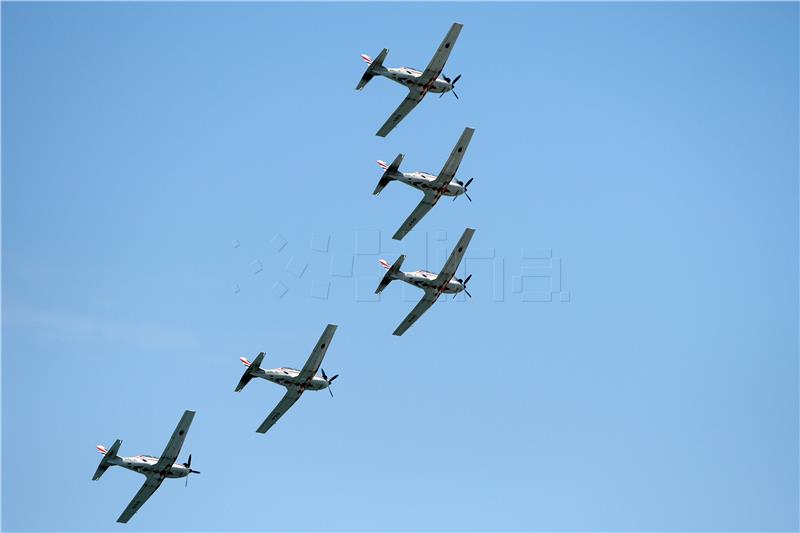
635 164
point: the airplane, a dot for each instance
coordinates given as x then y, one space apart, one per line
295 381
154 468
433 285
419 83
433 187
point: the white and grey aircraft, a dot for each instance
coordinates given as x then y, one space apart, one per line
155 469
295 381
419 83
433 187
433 285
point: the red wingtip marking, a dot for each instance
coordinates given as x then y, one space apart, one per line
384 264
366 58
244 361
101 449
382 164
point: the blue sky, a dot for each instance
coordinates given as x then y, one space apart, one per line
185 184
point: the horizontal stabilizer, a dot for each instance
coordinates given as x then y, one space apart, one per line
250 373
105 461
391 273
389 170
375 66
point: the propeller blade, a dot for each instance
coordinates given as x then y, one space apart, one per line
329 381
187 481
455 80
454 94
442 94
189 462
466 280
194 471
468 294
467 195
323 375
468 182
446 78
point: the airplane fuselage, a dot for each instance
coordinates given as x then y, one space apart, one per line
409 77
424 182
289 378
146 465
427 280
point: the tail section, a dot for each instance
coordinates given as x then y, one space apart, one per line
388 171
375 66
108 455
391 273
252 370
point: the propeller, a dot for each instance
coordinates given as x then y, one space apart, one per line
188 464
465 185
325 377
452 85
463 283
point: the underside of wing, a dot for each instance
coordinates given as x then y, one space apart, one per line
315 359
439 59
414 97
286 402
449 269
170 454
147 490
427 203
423 305
454 161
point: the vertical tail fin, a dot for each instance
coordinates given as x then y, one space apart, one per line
251 372
388 172
105 462
391 273
375 66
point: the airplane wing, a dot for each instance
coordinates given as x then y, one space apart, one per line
428 300
454 161
449 269
291 396
414 97
315 359
147 490
438 60
170 454
427 203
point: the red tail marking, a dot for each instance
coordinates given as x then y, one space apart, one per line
366 58
384 264
245 361
102 449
